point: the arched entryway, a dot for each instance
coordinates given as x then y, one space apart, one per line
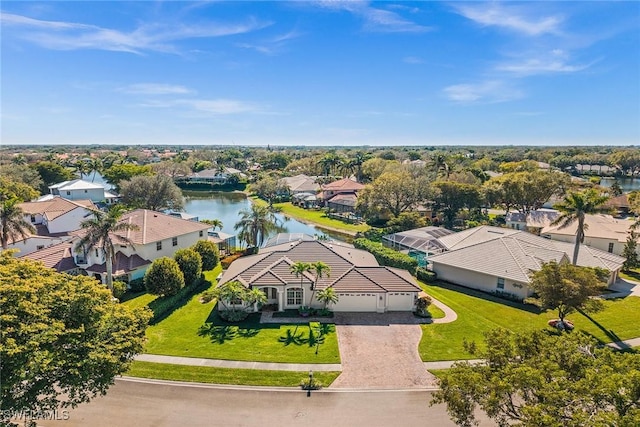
272 297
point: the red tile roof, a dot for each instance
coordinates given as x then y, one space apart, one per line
344 184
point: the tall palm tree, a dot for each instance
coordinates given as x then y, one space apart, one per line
574 208
101 231
12 223
255 224
299 268
319 269
94 166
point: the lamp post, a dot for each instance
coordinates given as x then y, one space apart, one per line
310 383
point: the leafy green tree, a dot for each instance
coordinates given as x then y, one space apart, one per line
255 225
22 174
51 173
630 253
373 168
190 263
327 296
171 168
100 231
63 339
124 172
451 197
574 208
615 189
164 277
12 222
536 379
529 190
208 253
406 221
269 189
154 192
390 194
627 161
10 189
566 287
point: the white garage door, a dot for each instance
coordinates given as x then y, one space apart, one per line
400 301
356 302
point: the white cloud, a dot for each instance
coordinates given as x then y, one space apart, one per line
412 60
488 92
59 35
155 89
554 61
219 106
510 17
375 20
273 45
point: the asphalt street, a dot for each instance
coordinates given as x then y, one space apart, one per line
142 403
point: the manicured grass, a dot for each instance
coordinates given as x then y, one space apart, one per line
436 313
195 330
202 374
478 313
633 274
316 217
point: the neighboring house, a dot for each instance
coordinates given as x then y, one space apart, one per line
156 235
60 257
602 232
424 240
342 195
79 189
534 222
361 284
34 243
57 215
206 176
305 200
226 242
500 260
301 184
619 204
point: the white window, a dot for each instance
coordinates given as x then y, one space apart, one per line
158 246
294 296
500 283
174 241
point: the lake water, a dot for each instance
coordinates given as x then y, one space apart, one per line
226 206
627 184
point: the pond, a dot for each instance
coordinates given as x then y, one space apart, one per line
627 184
226 206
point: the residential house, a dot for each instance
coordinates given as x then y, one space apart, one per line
211 176
500 260
60 257
301 184
342 195
361 284
534 222
602 232
79 189
156 235
619 205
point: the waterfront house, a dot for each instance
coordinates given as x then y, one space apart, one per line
79 189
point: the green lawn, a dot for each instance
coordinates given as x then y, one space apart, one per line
203 374
436 313
316 217
634 275
195 330
478 313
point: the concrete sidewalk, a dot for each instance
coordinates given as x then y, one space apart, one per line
216 363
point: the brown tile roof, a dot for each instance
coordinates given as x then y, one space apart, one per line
154 226
58 257
55 207
344 184
122 265
352 270
346 199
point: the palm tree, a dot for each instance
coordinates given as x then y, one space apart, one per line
95 166
574 208
299 268
12 223
255 225
328 296
319 268
214 223
101 232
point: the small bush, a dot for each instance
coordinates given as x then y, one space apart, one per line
233 315
190 263
226 261
119 288
137 285
426 275
312 384
386 256
164 277
208 252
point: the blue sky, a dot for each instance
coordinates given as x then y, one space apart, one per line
321 73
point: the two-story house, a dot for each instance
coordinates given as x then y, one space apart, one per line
341 195
79 189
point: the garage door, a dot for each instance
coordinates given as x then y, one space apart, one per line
356 302
400 301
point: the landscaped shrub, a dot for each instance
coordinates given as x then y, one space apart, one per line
386 256
233 315
137 285
190 263
208 252
226 261
426 275
422 306
164 277
119 288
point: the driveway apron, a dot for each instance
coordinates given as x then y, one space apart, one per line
380 351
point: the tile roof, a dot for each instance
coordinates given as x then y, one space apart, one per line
348 199
55 207
301 183
352 270
514 255
474 235
76 184
152 226
597 226
539 218
344 184
58 257
123 264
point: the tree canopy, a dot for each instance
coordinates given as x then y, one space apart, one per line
124 172
208 253
63 338
391 194
155 192
537 379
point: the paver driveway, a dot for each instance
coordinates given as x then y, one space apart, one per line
380 351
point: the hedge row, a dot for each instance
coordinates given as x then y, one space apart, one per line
387 256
